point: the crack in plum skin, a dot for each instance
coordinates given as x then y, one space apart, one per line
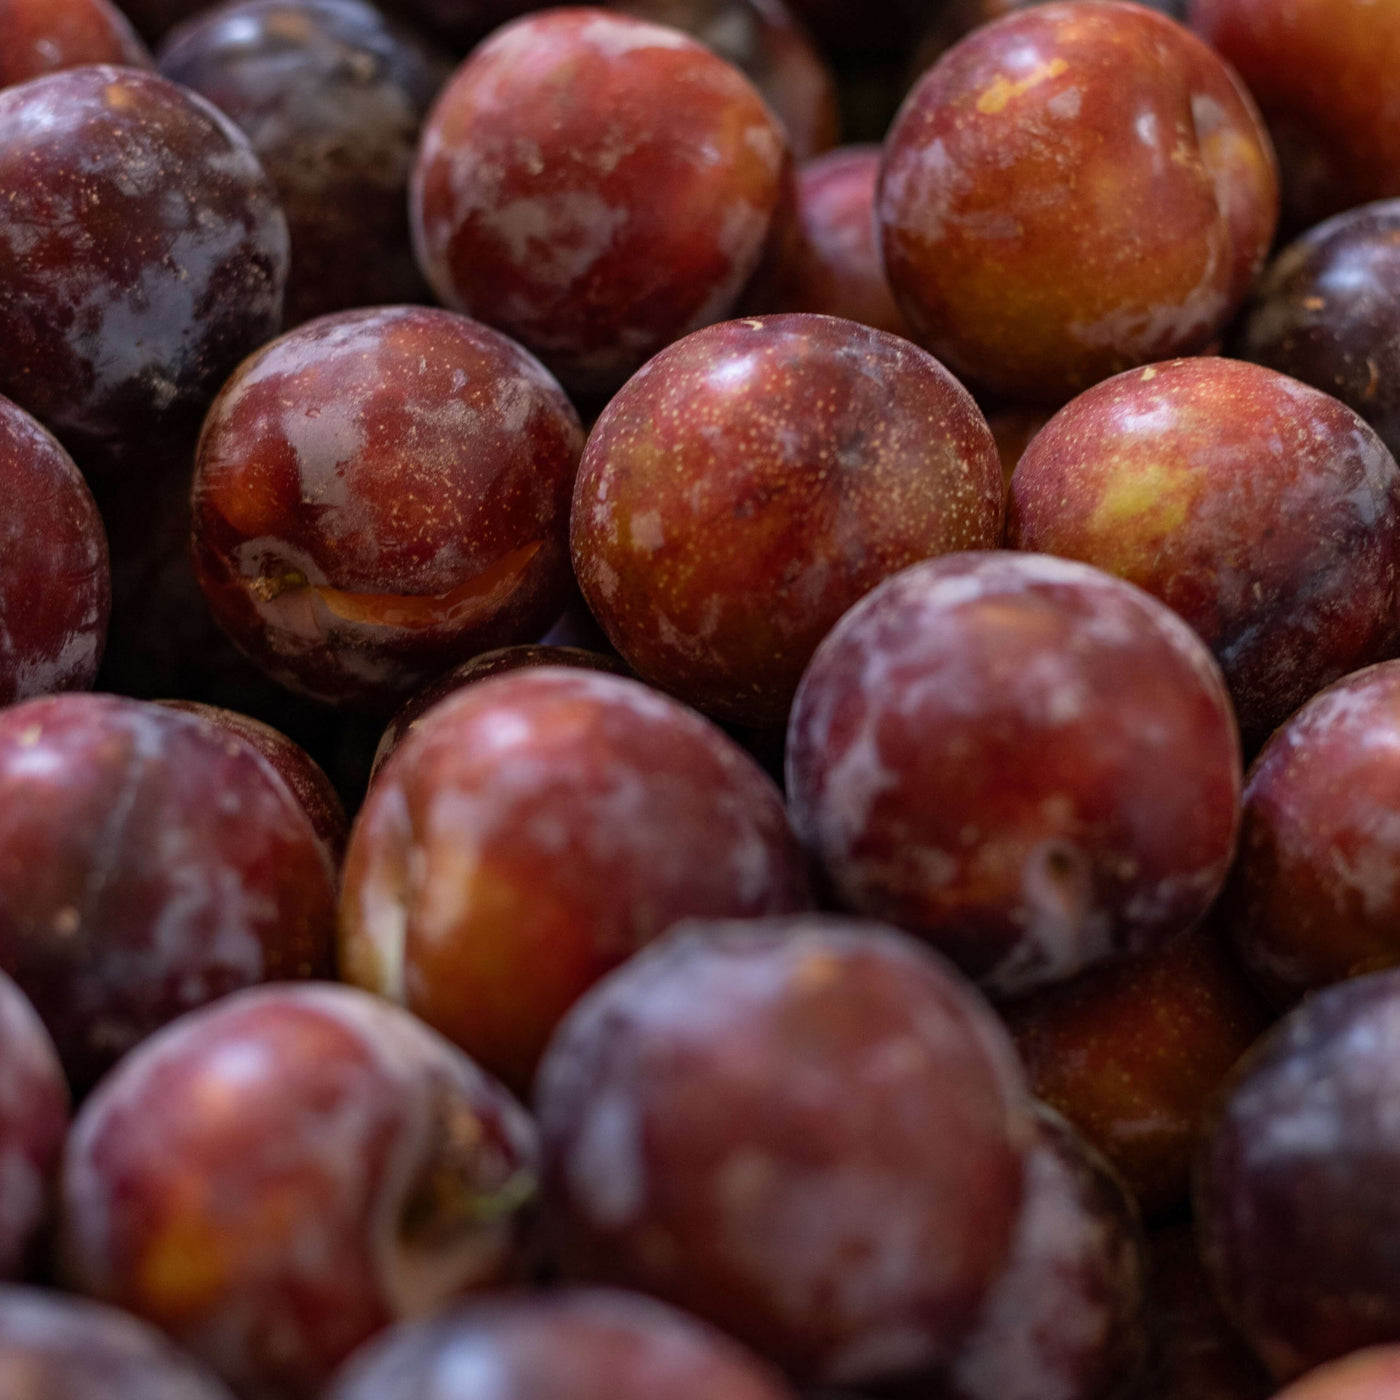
380 494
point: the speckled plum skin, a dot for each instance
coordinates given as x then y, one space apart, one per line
380 494
573 1344
275 1178
595 186
1133 1054
810 1131
1315 67
480 668
56 1347
1296 1209
1065 1321
1314 895
1327 311
332 96
304 777
1027 762
1262 511
765 42
33 1123
55 579
533 832
148 864
832 264
754 481
44 36
1073 190
142 254
1372 1374
1193 1352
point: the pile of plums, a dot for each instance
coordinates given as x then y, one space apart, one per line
699 699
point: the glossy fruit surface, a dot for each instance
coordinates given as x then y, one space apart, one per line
595 186
753 482
1072 190
277 1177
380 494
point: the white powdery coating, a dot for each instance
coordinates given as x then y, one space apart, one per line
1052 1319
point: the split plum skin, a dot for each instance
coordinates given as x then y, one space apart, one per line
380 494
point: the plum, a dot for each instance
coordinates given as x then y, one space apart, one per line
831 263
1314 67
1295 1203
56 1347
43 36
1066 1319
572 1344
1327 311
754 481
596 186
490 663
809 1131
1072 190
1264 512
33 1124
380 494
1313 895
273 1179
332 96
765 42
1133 1054
534 831
1025 761
142 256
149 863
55 583
293 765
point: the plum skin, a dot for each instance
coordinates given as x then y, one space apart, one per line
54 1346
1134 1052
1310 900
379 494
126 302
1325 312
534 831
332 96
44 36
56 587
149 862
1295 1213
753 1120
568 1344
275 1178
34 1104
1023 760
1262 511
595 240
754 481
1072 190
